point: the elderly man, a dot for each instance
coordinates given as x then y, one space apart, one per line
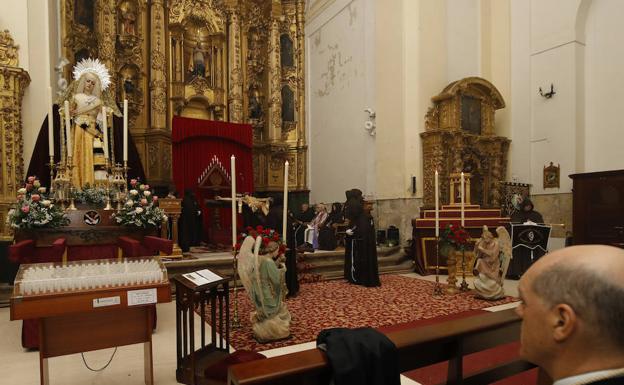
572 311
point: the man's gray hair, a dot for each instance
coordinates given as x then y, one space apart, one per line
595 300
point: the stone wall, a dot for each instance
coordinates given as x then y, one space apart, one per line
397 212
555 208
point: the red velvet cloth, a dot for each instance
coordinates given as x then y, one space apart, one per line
219 370
87 252
195 142
131 248
26 252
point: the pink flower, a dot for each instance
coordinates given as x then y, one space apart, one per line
29 186
147 187
155 198
25 209
35 197
143 202
31 179
133 182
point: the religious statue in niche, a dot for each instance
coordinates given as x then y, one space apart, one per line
128 14
83 12
471 114
287 56
551 176
288 105
197 65
255 105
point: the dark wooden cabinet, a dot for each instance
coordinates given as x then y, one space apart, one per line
598 208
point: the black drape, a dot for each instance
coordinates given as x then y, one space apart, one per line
39 161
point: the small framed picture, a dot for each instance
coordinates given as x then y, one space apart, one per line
551 176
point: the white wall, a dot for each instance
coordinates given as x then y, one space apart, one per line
27 22
339 73
604 82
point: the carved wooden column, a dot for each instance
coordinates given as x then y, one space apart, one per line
157 159
301 134
235 92
275 83
13 80
106 34
158 74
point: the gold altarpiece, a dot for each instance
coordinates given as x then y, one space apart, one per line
460 137
13 81
240 61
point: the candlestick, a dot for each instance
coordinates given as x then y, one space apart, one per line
50 124
69 139
233 172
125 130
462 198
285 201
437 203
105 132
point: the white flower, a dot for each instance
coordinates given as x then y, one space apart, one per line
21 191
46 202
147 193
134 192
42 190
138 210
129 202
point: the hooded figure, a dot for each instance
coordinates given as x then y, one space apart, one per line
526 213
523 258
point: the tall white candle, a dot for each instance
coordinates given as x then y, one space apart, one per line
68 129
462 198
285 211
233 173
437 207
50 123
125 130
105 132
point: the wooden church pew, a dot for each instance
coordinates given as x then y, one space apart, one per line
417 347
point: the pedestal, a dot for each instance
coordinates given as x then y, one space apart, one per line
452 271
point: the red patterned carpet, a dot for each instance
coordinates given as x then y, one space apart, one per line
328 304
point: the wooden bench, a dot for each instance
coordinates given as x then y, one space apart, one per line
417 347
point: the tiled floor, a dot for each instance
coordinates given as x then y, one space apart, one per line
20 367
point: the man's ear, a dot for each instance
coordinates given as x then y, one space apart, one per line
564 322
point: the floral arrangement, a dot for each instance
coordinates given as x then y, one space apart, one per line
95 196
140 209
33 209
268 236
454 236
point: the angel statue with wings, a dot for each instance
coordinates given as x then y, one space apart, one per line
262 272
492 260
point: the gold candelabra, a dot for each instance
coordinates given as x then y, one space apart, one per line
72 190
464 285
437 289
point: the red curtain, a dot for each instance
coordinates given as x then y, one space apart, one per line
195 142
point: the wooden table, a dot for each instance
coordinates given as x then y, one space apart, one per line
75 322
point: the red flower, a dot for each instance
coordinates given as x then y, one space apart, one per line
259 228
265 241
249 228
282 248
237 246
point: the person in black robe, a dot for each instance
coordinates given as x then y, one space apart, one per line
190 228
360 249
327 232
523 257
301 220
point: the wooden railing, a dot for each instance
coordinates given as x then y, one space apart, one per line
417 347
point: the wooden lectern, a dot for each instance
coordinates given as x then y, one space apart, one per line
104 307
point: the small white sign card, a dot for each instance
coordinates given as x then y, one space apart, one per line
107 301
202 277
142 297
